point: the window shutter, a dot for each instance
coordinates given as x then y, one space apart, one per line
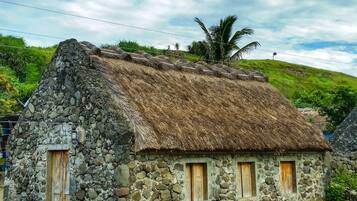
287 177
246 180
196 181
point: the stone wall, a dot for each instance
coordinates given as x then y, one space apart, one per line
70 109
161 177
346 162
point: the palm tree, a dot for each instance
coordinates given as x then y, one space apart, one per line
220 43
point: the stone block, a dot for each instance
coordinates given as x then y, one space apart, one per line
122 175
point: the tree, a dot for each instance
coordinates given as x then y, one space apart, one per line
198 48
336 104
220 42
177 46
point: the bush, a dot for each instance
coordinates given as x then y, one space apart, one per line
339 184
335 192
335 103
131 46
20 71
20 58
198 48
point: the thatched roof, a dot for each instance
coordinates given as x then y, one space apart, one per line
197 107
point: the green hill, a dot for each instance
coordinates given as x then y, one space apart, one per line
292 79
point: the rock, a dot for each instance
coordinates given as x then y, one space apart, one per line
179 166
269 180
92 194
160 186
80 194
72 101
136 196
83 168
165 195
122 192
141 175
31 108
77 95
224 185
147 194
122 175
177 188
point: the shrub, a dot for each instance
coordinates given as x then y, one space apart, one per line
198 48
340 182
335 192
131 46
336 103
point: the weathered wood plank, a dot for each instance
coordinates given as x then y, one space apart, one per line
246 179
287 177
57 176
196 181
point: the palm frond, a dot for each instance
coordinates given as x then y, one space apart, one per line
205 30
226 32
245 49
239 34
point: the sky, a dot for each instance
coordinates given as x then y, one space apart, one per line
320 33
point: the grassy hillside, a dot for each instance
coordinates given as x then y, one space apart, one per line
21 68
291 79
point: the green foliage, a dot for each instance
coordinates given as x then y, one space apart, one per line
198 48
338 185
23 59
21 69
131 46
335 103
221 42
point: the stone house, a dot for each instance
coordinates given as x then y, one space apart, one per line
109 125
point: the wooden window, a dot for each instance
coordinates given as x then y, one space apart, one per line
196 182
287 177
57 176
246 179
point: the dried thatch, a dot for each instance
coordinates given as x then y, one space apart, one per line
175 110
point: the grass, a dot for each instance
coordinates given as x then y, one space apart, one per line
291 79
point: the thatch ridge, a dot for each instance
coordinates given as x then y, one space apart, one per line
163 63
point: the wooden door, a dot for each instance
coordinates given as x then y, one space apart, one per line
287 177
196 178
57 176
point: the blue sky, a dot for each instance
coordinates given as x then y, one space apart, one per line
317 33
